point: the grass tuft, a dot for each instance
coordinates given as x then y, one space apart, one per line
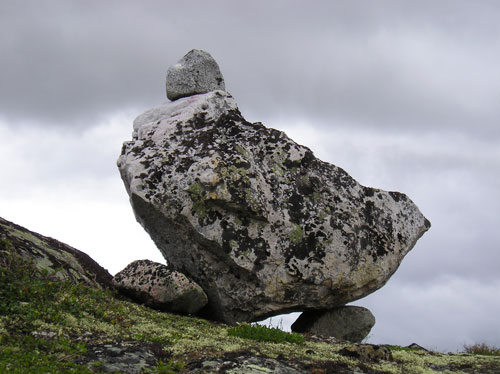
482 349
30 298
265 334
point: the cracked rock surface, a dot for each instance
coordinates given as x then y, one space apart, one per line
260 223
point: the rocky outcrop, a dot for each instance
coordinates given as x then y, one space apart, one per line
197 72
352 323
65 262
159 287
253 217
245 363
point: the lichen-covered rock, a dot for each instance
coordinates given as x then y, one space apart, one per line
244 363
352 323
197 72
158 286
253 217
64 262
367 352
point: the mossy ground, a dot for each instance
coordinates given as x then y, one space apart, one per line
52 326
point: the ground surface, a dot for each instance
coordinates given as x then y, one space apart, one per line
52 325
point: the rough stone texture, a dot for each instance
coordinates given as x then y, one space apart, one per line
51 255
160 287
243 363
197 72
367 352
124 357
253 217
352 323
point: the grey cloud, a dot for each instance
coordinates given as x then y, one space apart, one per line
372 66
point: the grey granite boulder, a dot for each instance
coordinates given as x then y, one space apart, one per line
260 223
157 286
197 72
352 323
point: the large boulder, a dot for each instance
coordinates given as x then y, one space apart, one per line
253 217
197 72
157 286
352 323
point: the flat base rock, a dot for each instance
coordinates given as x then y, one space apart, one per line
157 286
352 323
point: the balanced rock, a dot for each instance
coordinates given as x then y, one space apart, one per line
262 225
197 72
157 286
352 323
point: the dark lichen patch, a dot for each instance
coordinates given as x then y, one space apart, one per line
397 196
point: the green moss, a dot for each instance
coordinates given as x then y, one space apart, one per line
234 173
196 191
169 367
243 152
252 200
399 348
5 244
200 209
278 170
27 354
265 334
296 234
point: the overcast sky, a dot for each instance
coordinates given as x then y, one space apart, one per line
403 95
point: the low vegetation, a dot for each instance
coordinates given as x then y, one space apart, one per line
482 349
265 334
51 326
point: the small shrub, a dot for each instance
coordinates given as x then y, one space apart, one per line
265 334
482 349
169 367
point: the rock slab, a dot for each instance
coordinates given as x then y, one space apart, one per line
48 254
197 72
156 285
352 323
